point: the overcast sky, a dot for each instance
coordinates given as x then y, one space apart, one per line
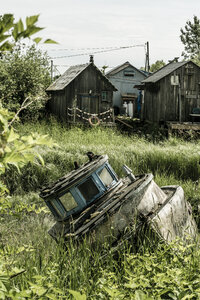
85 24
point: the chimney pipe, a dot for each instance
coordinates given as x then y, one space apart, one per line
91 59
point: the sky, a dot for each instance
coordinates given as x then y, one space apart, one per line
90 26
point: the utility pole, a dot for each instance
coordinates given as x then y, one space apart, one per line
51 70
147 66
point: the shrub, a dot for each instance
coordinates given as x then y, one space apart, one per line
24 75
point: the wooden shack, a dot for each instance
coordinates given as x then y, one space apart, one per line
80 93
172 93
125 77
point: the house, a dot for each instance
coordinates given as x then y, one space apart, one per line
125 77
80 93
172 93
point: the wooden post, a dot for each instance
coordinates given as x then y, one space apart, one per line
147 66
113 115
180 106
74 107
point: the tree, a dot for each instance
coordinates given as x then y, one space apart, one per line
103 69
12 32
157 65
190 37
24 76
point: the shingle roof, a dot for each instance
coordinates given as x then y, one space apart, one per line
67 77
122 67
164 71
70 75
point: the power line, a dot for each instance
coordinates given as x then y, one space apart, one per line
96 52
90 48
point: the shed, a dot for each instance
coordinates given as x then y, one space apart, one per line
81 92
125 77
172 93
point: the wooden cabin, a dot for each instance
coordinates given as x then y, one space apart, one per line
172 93
80 93
125 77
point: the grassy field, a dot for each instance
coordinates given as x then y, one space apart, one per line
35 267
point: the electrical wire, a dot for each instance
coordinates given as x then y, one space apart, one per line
90 48
96 52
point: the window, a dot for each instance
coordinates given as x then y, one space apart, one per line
55 208
106 177
129 73
104 96
88 189
68 201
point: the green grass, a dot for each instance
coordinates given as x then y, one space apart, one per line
48 271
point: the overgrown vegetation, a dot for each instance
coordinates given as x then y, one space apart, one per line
35 267
32 265
24 76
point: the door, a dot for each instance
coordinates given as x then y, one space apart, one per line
90 103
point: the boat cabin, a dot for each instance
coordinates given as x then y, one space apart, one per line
80 188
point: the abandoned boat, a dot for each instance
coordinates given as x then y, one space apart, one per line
92 201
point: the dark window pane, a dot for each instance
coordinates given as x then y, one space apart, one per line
88 189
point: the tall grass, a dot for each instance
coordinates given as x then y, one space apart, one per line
170 157
35 267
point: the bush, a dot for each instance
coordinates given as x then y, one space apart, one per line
24 75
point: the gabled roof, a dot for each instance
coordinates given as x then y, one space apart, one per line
122 67
66 78
164 71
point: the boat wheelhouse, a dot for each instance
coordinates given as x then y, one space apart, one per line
91 199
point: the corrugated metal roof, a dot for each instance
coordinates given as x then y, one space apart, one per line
164 71
67 77
122 67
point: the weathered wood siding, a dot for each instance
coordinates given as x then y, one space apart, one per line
88 85
161 99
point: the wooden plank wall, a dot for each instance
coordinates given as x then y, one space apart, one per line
89 79
161 100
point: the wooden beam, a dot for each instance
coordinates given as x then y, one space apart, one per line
117 119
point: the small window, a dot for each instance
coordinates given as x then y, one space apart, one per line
104 96
68 201
129 73
106 177
88 189
55 207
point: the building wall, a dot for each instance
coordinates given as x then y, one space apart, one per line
161 100
125 84
88 86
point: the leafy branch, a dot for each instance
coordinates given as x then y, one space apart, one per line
12 32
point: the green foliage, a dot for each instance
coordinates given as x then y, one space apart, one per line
34 267
12 32
157 65
174 159
24 76
190 37
16 150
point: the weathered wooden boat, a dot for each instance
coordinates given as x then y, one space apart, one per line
92 201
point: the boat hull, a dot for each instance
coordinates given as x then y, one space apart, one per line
164 209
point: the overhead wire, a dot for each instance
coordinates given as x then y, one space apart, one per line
96 52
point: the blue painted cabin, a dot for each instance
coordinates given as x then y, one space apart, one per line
80 188
124 78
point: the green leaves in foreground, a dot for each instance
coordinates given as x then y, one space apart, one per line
15 149
12 32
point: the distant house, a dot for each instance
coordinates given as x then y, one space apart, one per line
81 92
171 93
125 77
